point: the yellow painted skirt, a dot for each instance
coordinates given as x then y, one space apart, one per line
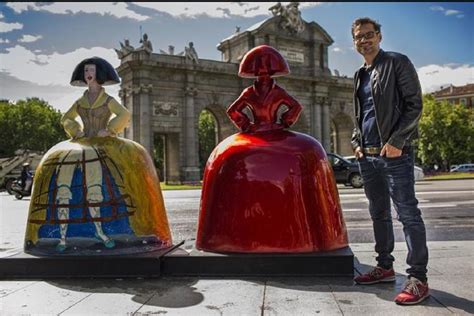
98 195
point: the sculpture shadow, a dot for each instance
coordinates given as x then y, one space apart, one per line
166 292
170 293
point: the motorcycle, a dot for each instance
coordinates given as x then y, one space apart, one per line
19 191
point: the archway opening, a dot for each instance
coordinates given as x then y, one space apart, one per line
159 155
341 132
208 136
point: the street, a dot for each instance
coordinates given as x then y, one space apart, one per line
448 211
447 207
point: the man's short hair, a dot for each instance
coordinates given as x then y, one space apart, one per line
366 20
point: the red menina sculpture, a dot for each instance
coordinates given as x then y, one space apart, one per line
267 189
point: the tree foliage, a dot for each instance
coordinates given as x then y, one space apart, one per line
29 124
158 154
446 133
207 137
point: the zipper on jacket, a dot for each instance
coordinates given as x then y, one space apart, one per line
356 99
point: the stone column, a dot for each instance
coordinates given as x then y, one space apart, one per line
142 128
125 96
316 120
326 126
190 171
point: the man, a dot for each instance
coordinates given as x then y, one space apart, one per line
25 175
388 104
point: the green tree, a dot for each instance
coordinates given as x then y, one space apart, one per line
29 124
446 133
158 154
207 137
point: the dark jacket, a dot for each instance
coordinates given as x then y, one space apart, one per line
397 99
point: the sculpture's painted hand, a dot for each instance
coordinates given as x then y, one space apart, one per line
104 133
79 134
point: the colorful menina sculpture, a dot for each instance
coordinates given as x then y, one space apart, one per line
96 193
267 189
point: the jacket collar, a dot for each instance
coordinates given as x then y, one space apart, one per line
377 60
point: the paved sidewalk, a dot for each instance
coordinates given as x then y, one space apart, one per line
450 275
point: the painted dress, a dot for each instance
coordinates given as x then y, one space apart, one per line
96 195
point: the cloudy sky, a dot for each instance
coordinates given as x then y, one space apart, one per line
40 43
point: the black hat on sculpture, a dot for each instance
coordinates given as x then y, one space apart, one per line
105 72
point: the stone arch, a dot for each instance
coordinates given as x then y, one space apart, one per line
225 127
341 132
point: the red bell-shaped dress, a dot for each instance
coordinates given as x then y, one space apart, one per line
268 189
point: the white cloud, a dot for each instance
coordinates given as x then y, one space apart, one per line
452 12
29 38
4 41
1 15
215 9
7 27
177 9
436 8
337 50
118 9
447 12
19 7
53 69
434 76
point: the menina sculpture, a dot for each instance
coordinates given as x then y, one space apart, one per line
96 194
268 189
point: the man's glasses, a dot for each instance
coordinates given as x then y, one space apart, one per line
367 35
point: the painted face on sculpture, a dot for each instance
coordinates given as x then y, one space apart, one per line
90 73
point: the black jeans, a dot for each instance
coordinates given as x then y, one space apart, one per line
386 178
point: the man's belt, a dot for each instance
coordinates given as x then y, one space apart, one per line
372 150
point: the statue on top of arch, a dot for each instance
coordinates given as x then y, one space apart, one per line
125 49
290 17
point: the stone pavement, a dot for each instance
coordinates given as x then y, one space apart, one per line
451 279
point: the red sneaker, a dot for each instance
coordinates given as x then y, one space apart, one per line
414 291
377 275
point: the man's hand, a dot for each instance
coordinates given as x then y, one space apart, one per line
358 153
390 151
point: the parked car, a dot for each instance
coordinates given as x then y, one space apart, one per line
342 172
351 158
345 172
419 174
466 167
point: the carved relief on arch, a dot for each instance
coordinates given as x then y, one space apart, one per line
125 92
166 108
145 88
191 91
322 100
214 98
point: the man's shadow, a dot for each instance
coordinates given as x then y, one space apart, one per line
383 291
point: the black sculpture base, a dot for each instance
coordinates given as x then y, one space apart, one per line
176 261
26 266
200 263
